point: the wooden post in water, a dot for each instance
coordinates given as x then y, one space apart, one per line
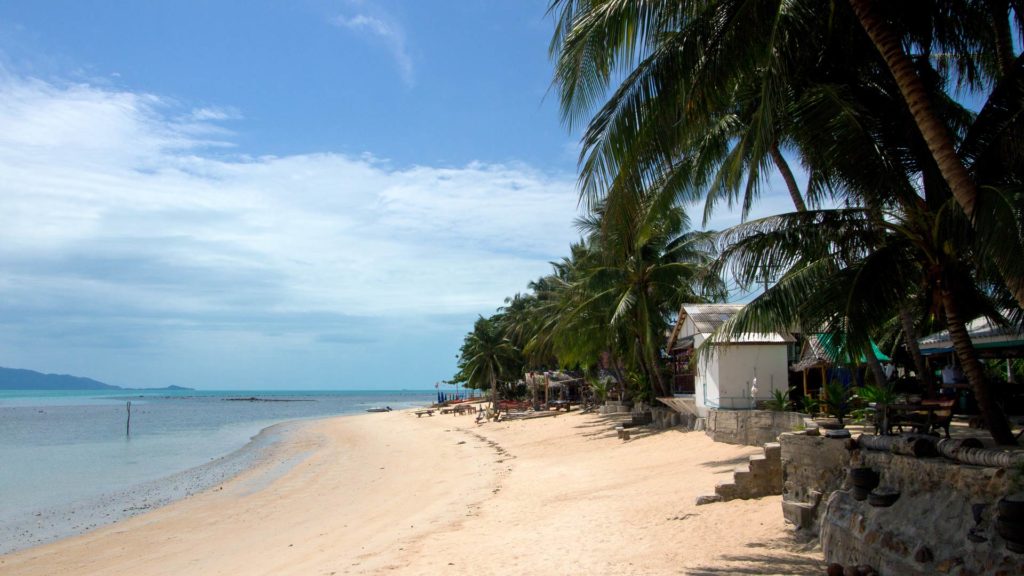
128 424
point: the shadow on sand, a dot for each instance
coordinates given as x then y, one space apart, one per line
777 559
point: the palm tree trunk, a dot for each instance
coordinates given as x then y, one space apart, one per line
787 175
933 130
494 393
1003 35
910 339
658 383
998 426
875 366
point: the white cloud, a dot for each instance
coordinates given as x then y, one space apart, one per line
387 31
112 210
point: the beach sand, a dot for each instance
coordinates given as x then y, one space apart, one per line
393 493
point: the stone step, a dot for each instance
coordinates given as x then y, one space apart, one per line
800 514
708 499
726 490
773 450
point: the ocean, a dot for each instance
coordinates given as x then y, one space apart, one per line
67 463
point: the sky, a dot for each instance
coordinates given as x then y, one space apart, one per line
271 194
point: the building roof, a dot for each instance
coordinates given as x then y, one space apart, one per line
822 350
707 318
984 333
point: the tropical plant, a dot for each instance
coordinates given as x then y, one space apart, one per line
877 394
486 356
838 399
643 264
810 405
600 388
779 402
713 92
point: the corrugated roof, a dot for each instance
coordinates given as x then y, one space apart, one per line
820 350
984 333
707 317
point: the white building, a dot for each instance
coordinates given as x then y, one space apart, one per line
724 375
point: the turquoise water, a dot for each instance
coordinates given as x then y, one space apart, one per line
60 449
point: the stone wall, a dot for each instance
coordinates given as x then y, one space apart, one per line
942 523
750 427
615 407
927 530
812 468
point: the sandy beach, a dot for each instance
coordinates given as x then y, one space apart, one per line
393 493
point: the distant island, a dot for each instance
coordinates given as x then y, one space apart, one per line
18 379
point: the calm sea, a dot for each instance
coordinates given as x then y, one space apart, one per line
60 449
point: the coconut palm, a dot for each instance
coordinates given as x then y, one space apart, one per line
967 32
643 264
708 90
486 356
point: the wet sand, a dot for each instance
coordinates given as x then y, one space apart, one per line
395 493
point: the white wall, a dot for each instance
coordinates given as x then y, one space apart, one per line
724 381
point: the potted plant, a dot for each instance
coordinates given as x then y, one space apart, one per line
837 399
779 402
879 397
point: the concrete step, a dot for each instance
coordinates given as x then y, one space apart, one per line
800 514
708 499
726 490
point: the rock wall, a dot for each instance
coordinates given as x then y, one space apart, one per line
812 468
942 523
750 427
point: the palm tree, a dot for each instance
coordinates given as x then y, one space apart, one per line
709 90
487 356
957 30
644 263
847 273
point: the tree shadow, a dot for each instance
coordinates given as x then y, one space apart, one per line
728 464
778 558
778 563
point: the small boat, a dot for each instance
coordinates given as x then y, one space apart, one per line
385 409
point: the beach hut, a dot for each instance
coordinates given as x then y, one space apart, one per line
823 358
991 341
725 377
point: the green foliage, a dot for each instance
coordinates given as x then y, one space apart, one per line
837 398
487 356
695 101
600 388
779 402
810 405
880 395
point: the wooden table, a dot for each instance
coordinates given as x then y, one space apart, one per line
898 414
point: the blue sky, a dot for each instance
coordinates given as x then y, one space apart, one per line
273 194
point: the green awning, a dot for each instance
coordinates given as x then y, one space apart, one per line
836 351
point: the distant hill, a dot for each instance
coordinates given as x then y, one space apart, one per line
17 379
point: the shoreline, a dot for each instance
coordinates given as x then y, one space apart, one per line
52 524
394 493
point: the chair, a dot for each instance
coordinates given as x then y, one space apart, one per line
940 416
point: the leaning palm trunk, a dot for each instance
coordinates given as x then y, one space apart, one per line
787 175
990 411
657 383
875 366
910 338
935 133
494 393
